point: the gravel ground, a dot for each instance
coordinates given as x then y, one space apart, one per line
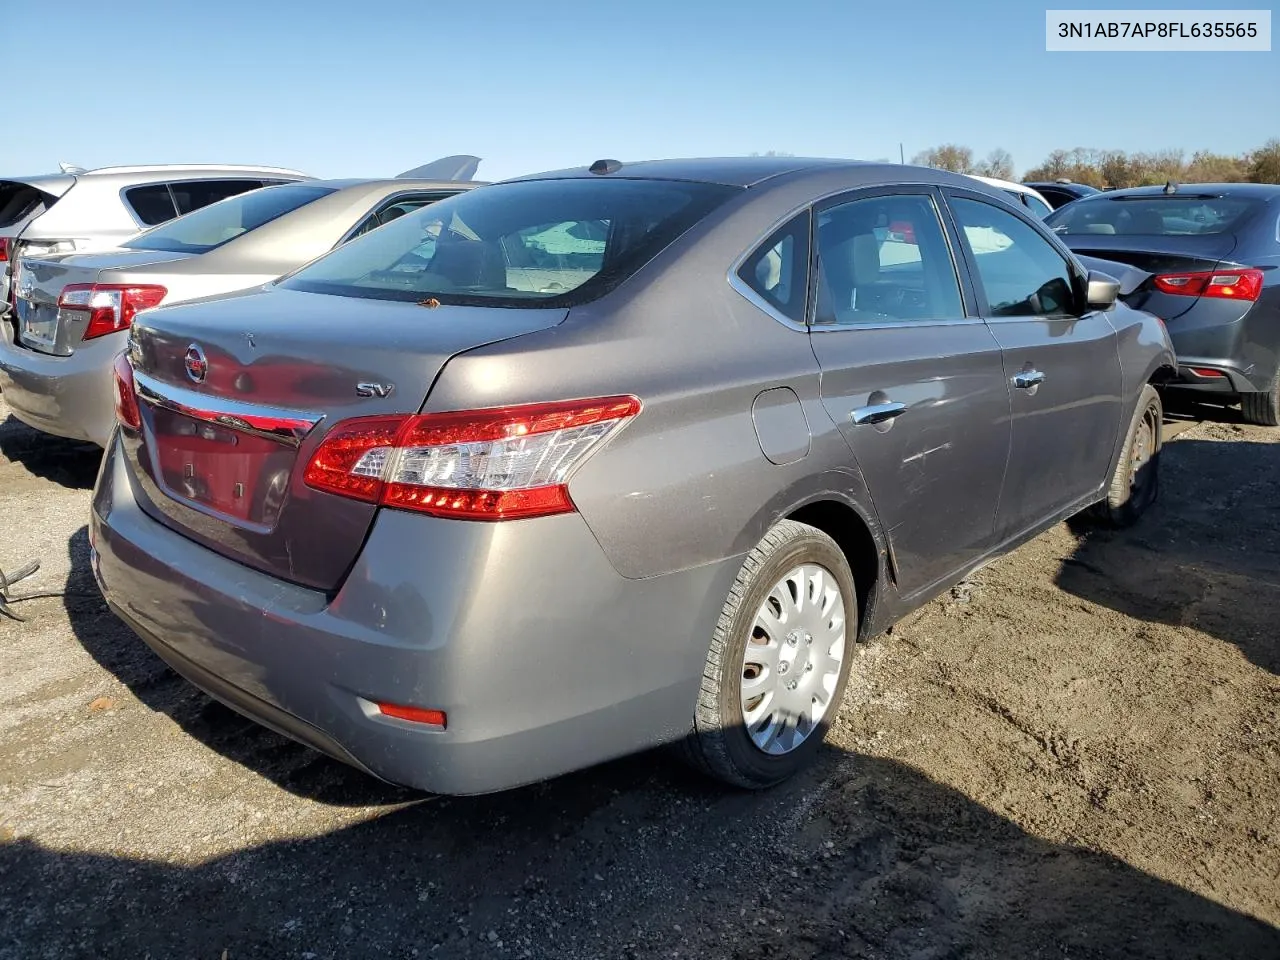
1075 755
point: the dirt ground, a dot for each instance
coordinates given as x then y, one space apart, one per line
1075 756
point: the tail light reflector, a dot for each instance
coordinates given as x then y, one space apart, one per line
110 306
1206 372
1229 285
503 463
432 718
126 399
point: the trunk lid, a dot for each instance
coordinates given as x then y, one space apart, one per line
1157 255
221 460
39 282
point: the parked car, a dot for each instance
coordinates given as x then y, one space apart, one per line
1212 255
1059 193
1022 194
592 461
79 210
71 311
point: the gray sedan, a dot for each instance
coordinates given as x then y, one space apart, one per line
598 460
71 311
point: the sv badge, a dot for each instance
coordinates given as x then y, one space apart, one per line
374 389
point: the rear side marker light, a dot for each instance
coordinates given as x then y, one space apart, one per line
110 306
1230 285
431 718
126 398
502 463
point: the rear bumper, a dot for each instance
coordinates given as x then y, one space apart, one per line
64 396
1235 339
1196 375
544 659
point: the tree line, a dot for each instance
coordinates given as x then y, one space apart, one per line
1116 168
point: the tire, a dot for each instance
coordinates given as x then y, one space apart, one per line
721 743
1262 409
1135 486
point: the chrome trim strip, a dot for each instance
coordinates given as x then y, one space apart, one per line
744 290
285 426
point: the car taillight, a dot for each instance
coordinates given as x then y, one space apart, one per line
4 249
126 399
1229 284
111 306
502 463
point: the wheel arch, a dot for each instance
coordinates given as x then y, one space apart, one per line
863 544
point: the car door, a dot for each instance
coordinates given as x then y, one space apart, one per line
912 376
1062 360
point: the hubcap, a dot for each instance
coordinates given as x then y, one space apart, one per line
792 660
1143 444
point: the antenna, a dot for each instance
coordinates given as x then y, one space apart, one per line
902 157
1170 187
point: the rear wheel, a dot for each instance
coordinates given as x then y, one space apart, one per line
1263 408
1136 483
779 660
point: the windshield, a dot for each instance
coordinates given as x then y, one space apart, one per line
202 230
1157 216
550 242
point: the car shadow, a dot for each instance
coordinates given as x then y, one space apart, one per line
863 857
1207 555
70 463
1188 408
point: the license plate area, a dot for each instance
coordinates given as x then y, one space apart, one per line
37 324
221 471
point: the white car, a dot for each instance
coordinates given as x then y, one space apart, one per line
1028 197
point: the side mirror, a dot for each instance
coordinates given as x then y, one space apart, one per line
1102 291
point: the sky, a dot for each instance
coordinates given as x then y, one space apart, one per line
375 87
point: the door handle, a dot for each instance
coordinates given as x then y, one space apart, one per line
1028 379
877 413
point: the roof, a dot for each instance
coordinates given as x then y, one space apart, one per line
732 171
184 168
1259 190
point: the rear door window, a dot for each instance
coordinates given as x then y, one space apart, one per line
885 258
152 203
193 194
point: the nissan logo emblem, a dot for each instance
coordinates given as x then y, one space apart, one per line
197 366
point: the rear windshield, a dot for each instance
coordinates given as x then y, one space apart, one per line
202 230
550 242
1159 216
19 202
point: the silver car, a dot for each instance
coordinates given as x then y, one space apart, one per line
78 210
580 464
71 312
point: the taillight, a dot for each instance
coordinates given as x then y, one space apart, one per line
503 463
4 249
111 306
126 399
1229 284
